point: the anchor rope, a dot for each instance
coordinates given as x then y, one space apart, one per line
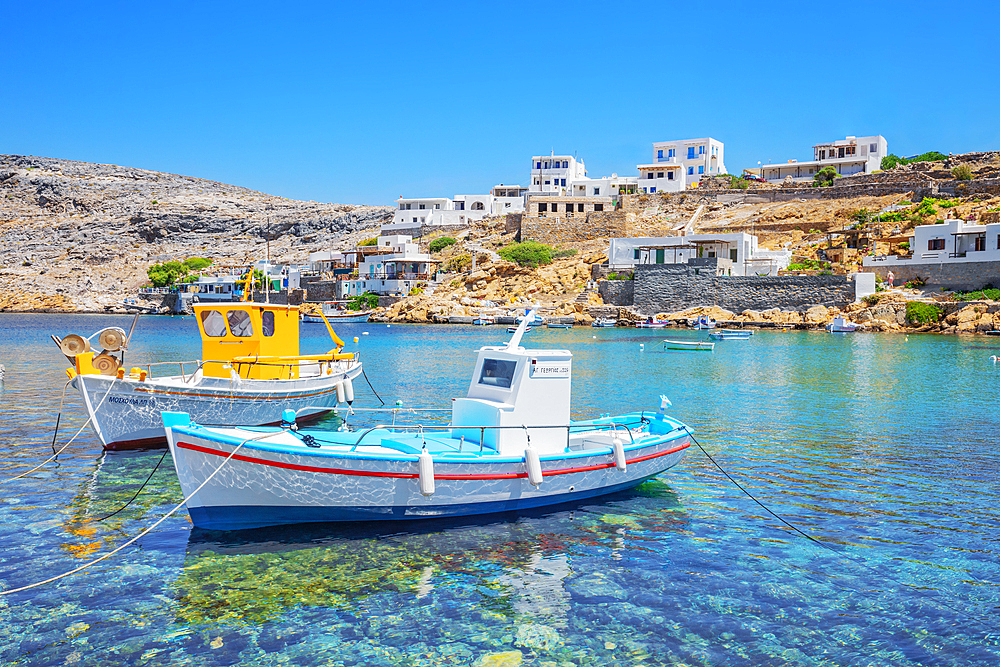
163 456
143 533
861 563
55 453
370 386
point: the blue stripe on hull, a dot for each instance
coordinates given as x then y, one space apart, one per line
239 517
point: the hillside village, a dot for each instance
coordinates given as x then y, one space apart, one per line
83 236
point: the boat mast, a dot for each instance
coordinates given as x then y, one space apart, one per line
267 262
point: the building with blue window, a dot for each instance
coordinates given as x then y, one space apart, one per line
554 174
852 155
696 157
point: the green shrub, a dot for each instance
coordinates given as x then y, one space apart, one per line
440 244
810 265
197 263
926 207
985 293
872 299
962 172
529 253
905 245
457 263
890 160
824 177
948 203
365 301
916 282
895 216
166 274
922 313
368 242
569 252
621 276
861 215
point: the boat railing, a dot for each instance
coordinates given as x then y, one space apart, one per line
609 426
295 362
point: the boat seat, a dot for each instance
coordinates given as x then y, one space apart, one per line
412 445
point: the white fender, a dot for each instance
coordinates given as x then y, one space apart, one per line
534 466
426 465
340 391
619 451
348 390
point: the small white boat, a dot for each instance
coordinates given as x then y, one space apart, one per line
604 322
650 324
730 334
510 445
336 314
250 371
701 345
704 322
840 325
558 325
513 329
484 321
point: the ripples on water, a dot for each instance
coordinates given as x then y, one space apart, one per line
881 446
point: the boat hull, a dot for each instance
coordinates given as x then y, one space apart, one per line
125 414
262 486
338 319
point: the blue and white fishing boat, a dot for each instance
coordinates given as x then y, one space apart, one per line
602 322
730 334
510 445
840 325
559 325
704 322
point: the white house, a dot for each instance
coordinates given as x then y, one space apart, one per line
696 157
463 209
954 242
853 155
608 186
663 177
393 265
554 174
227 284
738 247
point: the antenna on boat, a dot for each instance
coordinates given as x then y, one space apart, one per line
267 263
515 340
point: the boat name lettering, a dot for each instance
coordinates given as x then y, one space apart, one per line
127 400
550 369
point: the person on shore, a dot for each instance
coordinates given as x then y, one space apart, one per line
889 278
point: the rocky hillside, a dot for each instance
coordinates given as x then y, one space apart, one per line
79 236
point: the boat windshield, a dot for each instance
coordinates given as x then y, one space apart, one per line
267 323
239 323
497 373
214 323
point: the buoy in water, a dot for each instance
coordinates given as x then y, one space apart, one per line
356 339
993 358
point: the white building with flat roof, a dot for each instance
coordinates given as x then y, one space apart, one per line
463 209
394 265
852 155
952 242
554 174
738 247
609 186
696 157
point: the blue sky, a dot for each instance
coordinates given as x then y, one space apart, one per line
363 102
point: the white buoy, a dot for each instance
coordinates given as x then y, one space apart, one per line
619 451
642 347
340 392
348 390
426 465
994 359
534 466
364 333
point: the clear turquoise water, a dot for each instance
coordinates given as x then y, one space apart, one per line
881 446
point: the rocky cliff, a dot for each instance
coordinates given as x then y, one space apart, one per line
79 236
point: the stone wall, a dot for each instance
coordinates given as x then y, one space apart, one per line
320 290
617 292
672 287
553 230
963 276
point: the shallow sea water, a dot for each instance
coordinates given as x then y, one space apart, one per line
882 447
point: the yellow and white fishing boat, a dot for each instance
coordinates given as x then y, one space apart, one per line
249 373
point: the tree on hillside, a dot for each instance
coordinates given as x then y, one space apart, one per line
824 177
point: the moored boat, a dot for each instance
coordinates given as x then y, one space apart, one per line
730 334
484 320
559 325
510 445
250 371
840 325
601 322
704 322
697 345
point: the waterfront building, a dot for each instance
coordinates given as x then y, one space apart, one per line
738 249
953 242
555 174
393 266
852 155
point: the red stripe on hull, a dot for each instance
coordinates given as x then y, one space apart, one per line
400 475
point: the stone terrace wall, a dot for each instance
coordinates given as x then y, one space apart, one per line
963 276
553 230
672 287
617 292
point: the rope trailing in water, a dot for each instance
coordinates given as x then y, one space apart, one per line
55 453
140 489
370 386
143 533
925 594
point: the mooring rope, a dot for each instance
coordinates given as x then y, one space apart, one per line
144 532
163 456
55 453
370 386
925 594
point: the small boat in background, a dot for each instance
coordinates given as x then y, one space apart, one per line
510 445
840 325
336 312
559 325
513 329
730 334
698 345
484 321
604 322
704 322
651 323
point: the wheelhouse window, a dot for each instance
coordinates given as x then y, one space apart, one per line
239 323
213 323
497 373
267 323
